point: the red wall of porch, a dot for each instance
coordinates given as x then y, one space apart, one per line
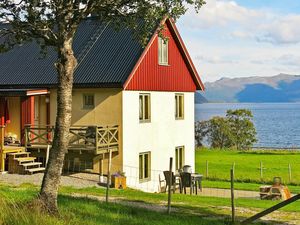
27 113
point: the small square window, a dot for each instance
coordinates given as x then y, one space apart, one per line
179 106
145 166
163 51
88 101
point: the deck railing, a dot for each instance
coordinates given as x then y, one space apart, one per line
81 137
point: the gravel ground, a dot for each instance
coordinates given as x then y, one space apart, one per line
77 180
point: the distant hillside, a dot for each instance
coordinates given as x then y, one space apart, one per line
280 88
199 99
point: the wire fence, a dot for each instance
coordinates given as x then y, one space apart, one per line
218 195
156 182
258 172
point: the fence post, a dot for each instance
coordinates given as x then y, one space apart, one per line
108 175
232 196
233 167
290 173
261 170
170 185
206 169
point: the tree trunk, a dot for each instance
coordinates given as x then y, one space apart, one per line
65 66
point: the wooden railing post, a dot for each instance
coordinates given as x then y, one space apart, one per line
26 130
2 131
97 138
2 134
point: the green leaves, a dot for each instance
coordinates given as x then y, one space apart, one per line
53 21
235 130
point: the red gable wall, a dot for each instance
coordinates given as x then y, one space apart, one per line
150 76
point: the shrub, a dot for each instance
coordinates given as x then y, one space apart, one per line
235 130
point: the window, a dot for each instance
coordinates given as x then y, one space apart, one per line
179 157
145 166
179 106
88 101
145 109
162 51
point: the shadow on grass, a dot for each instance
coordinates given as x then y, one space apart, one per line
95 212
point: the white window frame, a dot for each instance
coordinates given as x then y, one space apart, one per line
179 157
144 107
142 167
179 106
163 51
88 106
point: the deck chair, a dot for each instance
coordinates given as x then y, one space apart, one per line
167 179
162 184
186 181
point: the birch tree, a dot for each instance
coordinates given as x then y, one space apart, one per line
53 24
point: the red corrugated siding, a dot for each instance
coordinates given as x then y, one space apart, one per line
150 76
27 113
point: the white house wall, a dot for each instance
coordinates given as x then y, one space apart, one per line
160 136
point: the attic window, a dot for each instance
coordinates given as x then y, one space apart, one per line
162 51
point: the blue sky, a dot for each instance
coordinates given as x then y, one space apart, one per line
240 38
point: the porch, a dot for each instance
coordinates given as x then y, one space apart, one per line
84 140
96 139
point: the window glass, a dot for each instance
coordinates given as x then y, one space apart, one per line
162 51
179 157
144 107
88 101
144 166
179 106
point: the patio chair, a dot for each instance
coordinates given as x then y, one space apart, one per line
187 181
162 184
167 179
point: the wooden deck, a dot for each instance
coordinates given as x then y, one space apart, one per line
82 138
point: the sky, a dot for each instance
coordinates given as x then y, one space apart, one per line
242 38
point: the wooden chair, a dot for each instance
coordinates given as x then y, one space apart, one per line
186 181
162 184
173 181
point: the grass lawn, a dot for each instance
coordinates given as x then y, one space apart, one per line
203 204
247 165
189 209
242 186
73 211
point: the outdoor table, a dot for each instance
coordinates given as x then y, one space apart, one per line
197 178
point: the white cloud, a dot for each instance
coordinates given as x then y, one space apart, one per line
284 30
227 39
220 13
289 60
261 25
215 59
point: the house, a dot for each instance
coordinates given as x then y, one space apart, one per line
135 102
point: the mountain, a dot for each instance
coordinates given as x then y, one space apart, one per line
279 88
199 99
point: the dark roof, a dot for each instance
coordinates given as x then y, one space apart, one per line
105 56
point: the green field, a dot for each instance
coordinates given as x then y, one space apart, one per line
242 186
189 210
17 209
247 165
